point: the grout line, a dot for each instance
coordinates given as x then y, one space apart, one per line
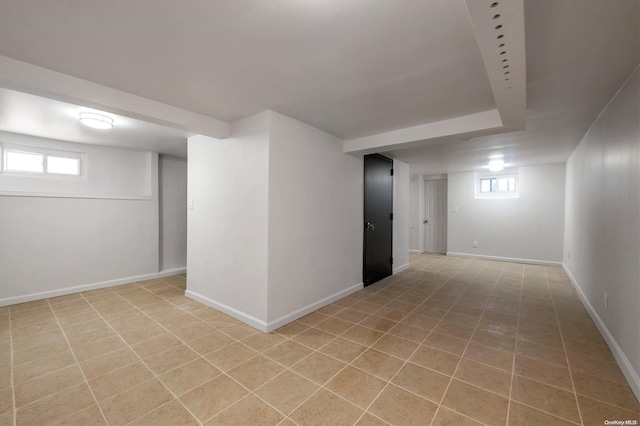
444 394
13 388
515 349
75 359
141 360
573 386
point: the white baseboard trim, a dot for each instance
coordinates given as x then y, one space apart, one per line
506 259
267 327
400 268
239 315
299 313
627 369
415 251
86 287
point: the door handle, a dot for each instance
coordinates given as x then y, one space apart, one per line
371 226
426 221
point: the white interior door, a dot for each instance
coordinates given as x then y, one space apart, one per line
435 216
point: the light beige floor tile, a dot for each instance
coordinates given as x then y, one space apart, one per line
255 372
170 414
314 338
286 391
288 353
325 408
437 360
545 398
342 349
189 376
369 419
446 417
396 346
212 397
378 363
135 402
48 384
170 359
364 336
89 416
397 406
549 374
33 369
484 376
248 411
210 342
356 386
100 365
476 403
231 356
55 407
318 367
522 415
422 381
119 380
262 342
613 393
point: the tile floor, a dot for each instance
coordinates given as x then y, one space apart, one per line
449 341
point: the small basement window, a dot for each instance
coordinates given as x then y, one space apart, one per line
497 186
41 162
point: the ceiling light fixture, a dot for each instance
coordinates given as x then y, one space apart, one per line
96 121
496 165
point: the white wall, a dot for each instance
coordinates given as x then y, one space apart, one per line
228 183
86 233
602 224
315 219
528 228
400 216
414 216
172 182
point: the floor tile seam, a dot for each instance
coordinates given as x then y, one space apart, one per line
322 386
547 413
608 403
84 376
250 393
515 350
458 363
11 381
146 365
564 347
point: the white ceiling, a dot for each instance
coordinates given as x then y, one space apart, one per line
352 68
47 118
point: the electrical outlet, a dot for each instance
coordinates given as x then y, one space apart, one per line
474 244
606 301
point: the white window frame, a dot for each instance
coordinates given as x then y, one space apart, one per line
45 152
497 194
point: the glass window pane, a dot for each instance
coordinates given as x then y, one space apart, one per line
512 184
62 165
24 162
503 184
485 185
494 184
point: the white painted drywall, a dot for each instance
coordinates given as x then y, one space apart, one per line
315 217
529 227
602 224
228 182
172 181
56 245
414 216
400 215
